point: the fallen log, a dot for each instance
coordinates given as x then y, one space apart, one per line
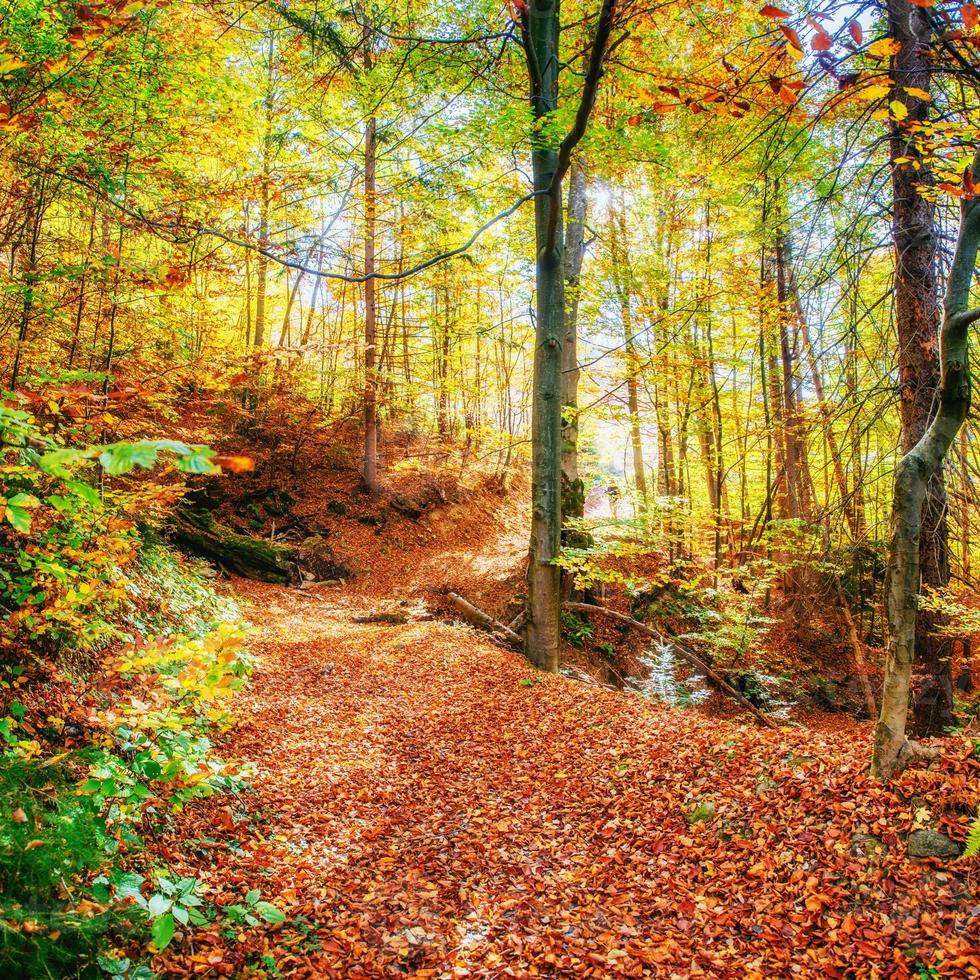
693 659
255 558
479 618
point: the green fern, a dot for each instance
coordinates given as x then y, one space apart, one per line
973 839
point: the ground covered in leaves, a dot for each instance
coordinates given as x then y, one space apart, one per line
425 805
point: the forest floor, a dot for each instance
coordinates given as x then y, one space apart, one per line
424 804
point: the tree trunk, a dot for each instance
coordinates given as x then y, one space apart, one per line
917 320
249 557
370 469
913 476
543 575
623 281
572 487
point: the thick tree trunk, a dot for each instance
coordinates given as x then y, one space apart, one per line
543 575
915 471
917 322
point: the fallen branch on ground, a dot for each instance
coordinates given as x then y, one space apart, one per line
479 618
693 659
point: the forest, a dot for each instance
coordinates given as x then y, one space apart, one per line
489 489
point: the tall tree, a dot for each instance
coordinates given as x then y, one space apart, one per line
917 323
550 160
915 471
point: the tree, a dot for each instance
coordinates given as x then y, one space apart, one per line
892 749
550 161
917 316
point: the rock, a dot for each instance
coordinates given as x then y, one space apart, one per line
932 844
319 561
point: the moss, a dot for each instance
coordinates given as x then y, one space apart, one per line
252 557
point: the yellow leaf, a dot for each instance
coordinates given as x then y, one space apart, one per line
899 111
873 92
884 47
919 93
795 53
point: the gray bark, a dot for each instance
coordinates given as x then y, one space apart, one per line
892 749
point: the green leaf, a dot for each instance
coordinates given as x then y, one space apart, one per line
18 518
121 457
253 896
270 913
198 462
89 494
58 462
163 931
181 915
22 500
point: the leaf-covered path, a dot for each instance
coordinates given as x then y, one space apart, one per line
424 807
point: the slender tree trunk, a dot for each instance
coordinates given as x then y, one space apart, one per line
572 487
30 278
262 262
623 281
913 475
370 469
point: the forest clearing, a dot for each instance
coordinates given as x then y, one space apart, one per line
489 490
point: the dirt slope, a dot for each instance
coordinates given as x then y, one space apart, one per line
426 807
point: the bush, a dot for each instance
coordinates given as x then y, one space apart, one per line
118 659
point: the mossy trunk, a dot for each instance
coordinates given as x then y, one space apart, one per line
249 557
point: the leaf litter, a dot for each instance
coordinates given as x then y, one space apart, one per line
419 811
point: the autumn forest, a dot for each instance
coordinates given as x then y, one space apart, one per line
489 489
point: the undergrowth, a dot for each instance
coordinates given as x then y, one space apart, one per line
117 661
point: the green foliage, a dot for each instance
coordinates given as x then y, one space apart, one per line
575 629
253 911
80 573
972 848
63 816
68 545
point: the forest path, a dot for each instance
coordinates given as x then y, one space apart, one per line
425 805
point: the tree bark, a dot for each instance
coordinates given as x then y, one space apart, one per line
572 487
543 574
370 467
917 321
913 476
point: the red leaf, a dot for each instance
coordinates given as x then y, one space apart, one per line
821 42
770 11
791 36
855 30
971 15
